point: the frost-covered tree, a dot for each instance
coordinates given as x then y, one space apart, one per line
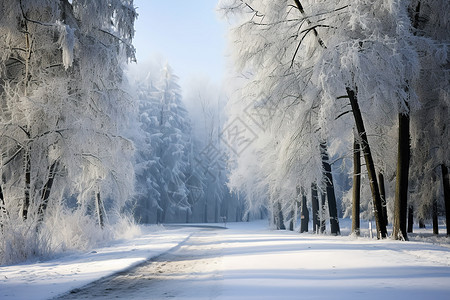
172 152
163 148
279 97
308 57
430 124
64 108
180 163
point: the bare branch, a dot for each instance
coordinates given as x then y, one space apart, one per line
342 114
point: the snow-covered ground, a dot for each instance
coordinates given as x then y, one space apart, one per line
47 279
246 261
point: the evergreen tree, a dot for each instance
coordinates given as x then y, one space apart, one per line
163 148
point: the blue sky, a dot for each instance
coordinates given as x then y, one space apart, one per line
188 34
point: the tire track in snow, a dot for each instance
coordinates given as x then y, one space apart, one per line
190 270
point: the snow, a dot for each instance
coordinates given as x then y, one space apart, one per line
44 280
67 42
282 265
248 261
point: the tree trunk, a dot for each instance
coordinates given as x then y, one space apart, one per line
323 224
410 219
205 212
158 216
100 212
315 207
435 217
332 207
280 218
275 216
26 202
2 200
401 187
291 222
304 215
46 190
3 211
381 226
421 223
446 184
216 211
383 197
188 213
356 188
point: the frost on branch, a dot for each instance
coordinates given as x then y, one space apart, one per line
62 125
299 61
66 42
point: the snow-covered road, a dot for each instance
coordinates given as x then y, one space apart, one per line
191 269
246 261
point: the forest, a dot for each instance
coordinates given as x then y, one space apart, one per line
324 84
333 109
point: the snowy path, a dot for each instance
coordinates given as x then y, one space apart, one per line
247 261
192 267
47 279
250 262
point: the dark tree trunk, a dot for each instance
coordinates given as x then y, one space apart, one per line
46 190
291 222
332 207
26 202
435 217
100 212
421 223
3 211
2 200
401 187
381 226
356 188
314 30
410 219
304 215
446 184
323 224
315 207
383 197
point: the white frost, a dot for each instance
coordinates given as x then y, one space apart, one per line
67 43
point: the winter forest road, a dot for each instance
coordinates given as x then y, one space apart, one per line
192 270
250 262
